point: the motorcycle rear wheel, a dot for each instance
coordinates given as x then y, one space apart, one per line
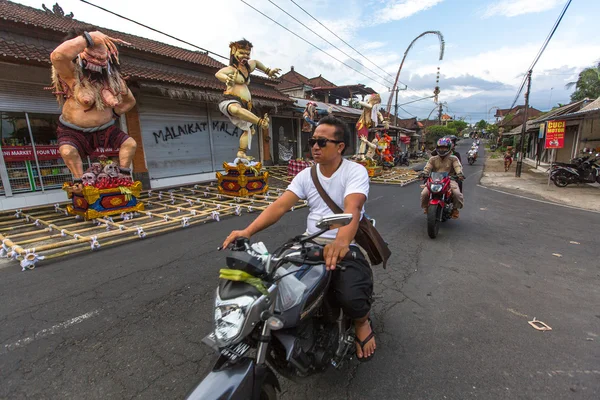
433 220
560 179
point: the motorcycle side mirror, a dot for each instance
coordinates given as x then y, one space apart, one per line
334 221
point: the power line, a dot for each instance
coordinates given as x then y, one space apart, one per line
406 111
316 47
170 36
343 41
154 30
328 42
541 51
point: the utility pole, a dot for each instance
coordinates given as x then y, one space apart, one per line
396 106
524 128
440 115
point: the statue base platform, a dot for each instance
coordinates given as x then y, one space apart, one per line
372 169
242 180
93 203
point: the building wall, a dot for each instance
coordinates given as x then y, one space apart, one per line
589 137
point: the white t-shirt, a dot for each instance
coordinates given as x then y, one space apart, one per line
349 178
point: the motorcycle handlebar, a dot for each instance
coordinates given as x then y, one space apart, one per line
316 254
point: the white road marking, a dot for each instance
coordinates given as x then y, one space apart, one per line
47 332
539 201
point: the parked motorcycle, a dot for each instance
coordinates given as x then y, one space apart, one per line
401 158
440 201
281 317
587 171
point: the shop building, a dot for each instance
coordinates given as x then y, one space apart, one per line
181 134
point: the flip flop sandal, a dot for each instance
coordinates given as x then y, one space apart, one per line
364 342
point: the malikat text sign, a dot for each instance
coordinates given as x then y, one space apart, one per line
555 134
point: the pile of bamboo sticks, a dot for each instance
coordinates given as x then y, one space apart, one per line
396 176
34 234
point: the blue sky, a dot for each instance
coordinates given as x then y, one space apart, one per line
489 43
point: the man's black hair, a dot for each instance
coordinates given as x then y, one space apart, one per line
341 129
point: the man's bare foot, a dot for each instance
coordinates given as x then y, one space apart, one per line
363 330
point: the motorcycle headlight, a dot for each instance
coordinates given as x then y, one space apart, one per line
436 187
230 316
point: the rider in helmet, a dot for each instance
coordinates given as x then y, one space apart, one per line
453 139
444 161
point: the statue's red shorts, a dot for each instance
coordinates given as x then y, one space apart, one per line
87 142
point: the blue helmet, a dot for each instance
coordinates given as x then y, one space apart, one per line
444 142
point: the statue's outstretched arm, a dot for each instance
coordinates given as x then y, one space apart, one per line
271 73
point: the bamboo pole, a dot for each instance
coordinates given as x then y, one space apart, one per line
11 244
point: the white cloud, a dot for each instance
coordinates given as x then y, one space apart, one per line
512 8
400 9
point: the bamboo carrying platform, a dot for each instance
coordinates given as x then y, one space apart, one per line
397 176
394 176
43 233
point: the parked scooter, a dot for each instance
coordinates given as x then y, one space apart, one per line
275 313
588 171
401 158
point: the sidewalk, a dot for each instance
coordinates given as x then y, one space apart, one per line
535 182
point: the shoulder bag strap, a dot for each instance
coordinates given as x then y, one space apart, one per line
330 203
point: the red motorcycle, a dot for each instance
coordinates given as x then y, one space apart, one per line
440 201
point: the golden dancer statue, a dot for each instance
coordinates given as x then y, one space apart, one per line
237 105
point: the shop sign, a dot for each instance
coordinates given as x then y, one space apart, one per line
555 134
25 153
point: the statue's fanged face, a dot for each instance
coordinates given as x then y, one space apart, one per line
241 54
95 58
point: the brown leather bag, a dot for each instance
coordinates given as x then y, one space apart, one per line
367 236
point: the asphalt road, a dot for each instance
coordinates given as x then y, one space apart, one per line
451 314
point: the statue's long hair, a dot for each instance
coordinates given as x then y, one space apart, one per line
95 82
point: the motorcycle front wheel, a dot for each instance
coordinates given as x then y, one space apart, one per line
560 179
433 220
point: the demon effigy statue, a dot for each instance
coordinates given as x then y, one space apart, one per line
370 116
87 83
309 122
237 105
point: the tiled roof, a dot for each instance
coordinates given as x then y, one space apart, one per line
320 81
31 16
410 123
14 50
292 79
567 110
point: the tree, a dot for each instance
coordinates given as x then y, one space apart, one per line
587 85
435 132
458 125
481 124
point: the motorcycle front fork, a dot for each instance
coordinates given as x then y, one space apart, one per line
345 340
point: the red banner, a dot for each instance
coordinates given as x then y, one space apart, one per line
555 134
405 139
25 153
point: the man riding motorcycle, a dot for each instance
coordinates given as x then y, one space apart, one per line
444 162
472 153
347 183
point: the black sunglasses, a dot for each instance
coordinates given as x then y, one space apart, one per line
322 142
